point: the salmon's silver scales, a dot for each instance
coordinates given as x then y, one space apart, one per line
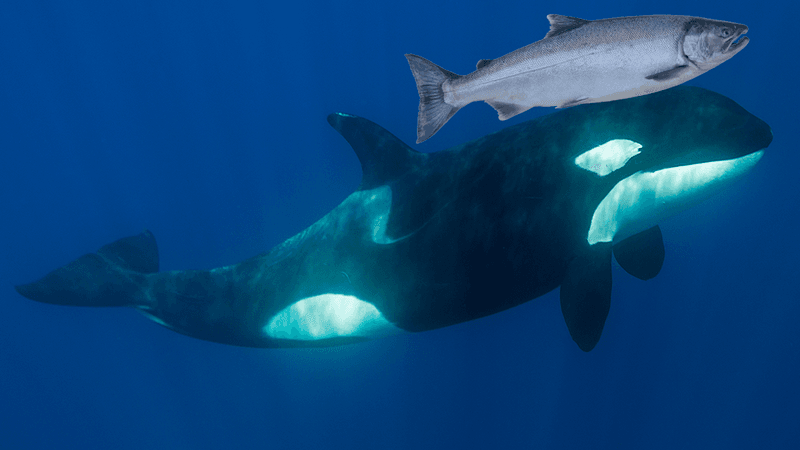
579 61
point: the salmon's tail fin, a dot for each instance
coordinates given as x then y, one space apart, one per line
433 111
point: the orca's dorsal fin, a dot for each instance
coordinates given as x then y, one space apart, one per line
561 24
383 156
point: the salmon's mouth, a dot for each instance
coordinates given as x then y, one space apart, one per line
736 42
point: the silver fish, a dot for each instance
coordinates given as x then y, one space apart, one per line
578 62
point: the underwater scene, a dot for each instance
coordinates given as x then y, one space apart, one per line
285 226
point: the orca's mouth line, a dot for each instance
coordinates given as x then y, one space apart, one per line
695 158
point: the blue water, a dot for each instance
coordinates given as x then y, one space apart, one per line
205 123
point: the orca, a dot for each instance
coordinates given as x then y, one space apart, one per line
436 239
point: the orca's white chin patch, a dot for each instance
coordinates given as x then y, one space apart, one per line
329 316
643 199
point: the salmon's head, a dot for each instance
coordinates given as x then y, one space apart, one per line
709 43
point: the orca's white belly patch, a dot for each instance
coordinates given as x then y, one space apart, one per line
329 316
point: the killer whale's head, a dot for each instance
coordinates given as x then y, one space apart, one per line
660 154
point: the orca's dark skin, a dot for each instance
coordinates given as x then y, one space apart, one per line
431 240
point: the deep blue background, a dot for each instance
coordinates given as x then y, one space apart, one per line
205 123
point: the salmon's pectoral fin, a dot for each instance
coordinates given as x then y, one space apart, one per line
506 111
668 74
574 102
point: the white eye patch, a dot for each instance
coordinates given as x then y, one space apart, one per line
608 157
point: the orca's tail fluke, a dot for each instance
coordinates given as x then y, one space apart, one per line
112 276
433 111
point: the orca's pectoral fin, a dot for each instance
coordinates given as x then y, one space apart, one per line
112 276
586 295
641 255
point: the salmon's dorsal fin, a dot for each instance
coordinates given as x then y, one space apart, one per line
561 24
384 157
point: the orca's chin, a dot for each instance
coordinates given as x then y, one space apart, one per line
644 199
